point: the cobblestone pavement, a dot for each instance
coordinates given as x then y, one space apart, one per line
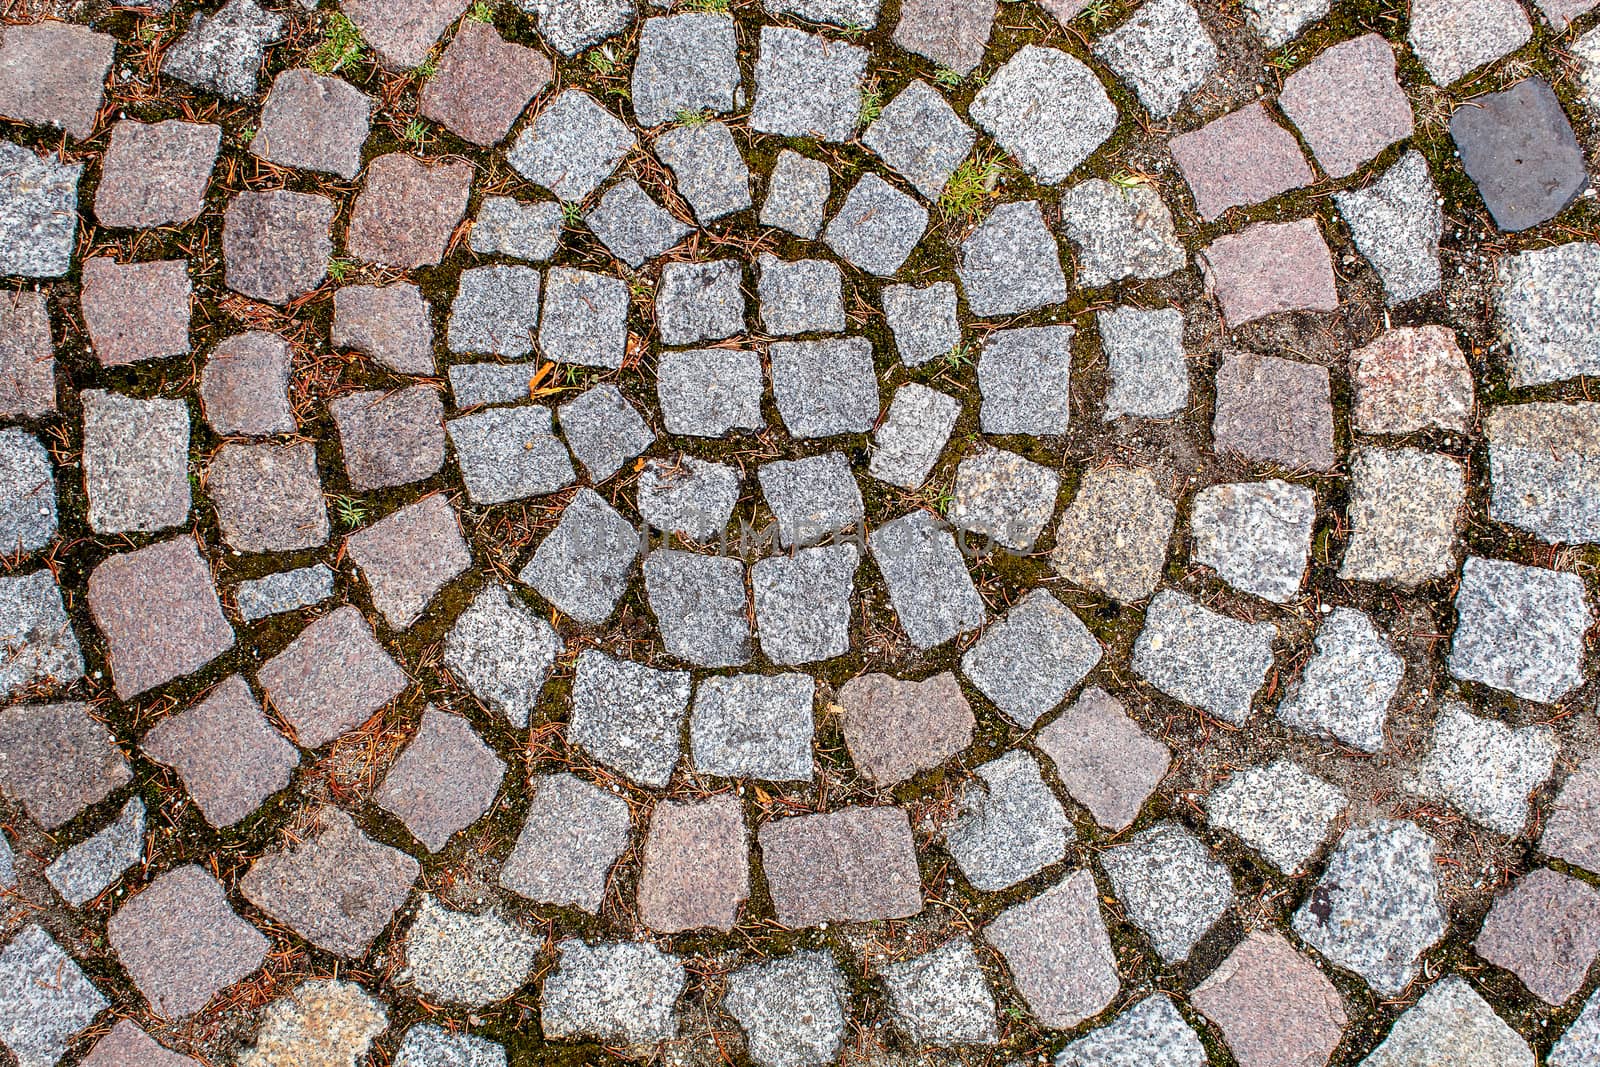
799 531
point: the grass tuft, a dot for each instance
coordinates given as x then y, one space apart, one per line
340 46
971 187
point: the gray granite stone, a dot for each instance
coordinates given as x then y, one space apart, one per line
510 454
53 74
700 605
135 462
1122 231
800 296
852 865
1453 1026
1378 906
574 831
482 84
1348 104
1047 109
88 868
155 174
322 1019
802 603
807 85
1149 368
222 51
825 388
330 678
283 591
1548 314
312 122
1105 761
923 320
1031 659
1003 496
1255 535
27 354
1114 536
877 227
390 438
896 729
1396 222
929 586
1011 263
852 15
1277 22
1519 629
1280 810
941 998
27 494
1058 952
1171 886
1238 160
1453 38
444 781
793 1009
582 566
1519 150
37 645
1204 659
920 136
136 311
1580 1044
1411 378
476 384
506 226
687 63
1545 930
700 302
912 434
603 430
753 725
692 498
38 212
427 1045
707 392
1024 377
572 147
244 386
495 311
1008 826
952 33
628 716
811 497
1149 1034
276 245
1543 459
391 323
268 497
632 226
797 192
570 27
1404 508
456 957
502 651
585 318
1347 686
57 761
1163 52
618 993
710 173
45 998
1484 768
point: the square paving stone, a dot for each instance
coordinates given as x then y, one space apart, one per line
57 761
319 1018
1453 38
825 388
1451 1017
477 384
1047 109
38 213
283 591
800 296
802 603
797 192
402 32
1549 314
53 74
572 147
1484 768
687 63
1519 150
1347 686
502 651
27 493
603 430
27 354
1032 658
390 438
1572 821
574 831
444 780
1011 263
1580 1044
710 173
136 311
920 136
1280 810
852 865
482 84
572 27
1277 22
1149 1034
1163 52
1255 535
1121 232
128 1046
617 993
1113 537
182 944
929 585
628 716
85 870
1412 378
155 174
632 226
244 386
407 211
1058 952
1107 763
1001 495
1241 159
1204 659
312 122
1519 629
45 999
1404 508
700 605
877 227
1009 825
1546 931
1144 354
331 678
336 887
941 999
700 302
1274 411
426 1045
1348 104
268 497
409 556
1024 377
792 1009
1396 222
582 566
1272 1004
1268 268
276 245
158 611
1171 886
923 321
898 728
222 52
952 33
37 645
1378 906
911 436
695 871
806 85
585 318
1543 461
510 454
391 323
753 726
811 497
509 227
693 498
229 756
465 959
495 311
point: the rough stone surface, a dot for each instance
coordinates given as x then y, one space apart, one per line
390 438
1047 109
920 136
850 865
923 320
897 728
632 226
1114 535
1396 222
510 454
1580 1044
1519 628
1347 685
503 652
695 872
1011 263
1274 411
88 868
37 645
27 493
1273 1006
792 1009
1001 495
952 33
477 384
572 27
1277 22
912 434
572 147
619 993
53 74
1058 952
701 608
1122 231
155 174
1200 657
802 603
1009 825
877 228
753 726
800 296
1542 460
27 355
687 63
603 430
331 678
807 85
443 782
1031 659
1572 824
573 833
825 388
509 227
1171 886
135 462
1546 930
582 566
699 302
1144 354
136 311
495 311
1271 267
407 211
1451 1026
1549 313
1279 810
1520 151
711 174
461 958
312 122
1163 52
426 1045
708 392
45 998
390 323
1453 38
1255 535
1105 761
942 998
930 587
58 761
811 497
222 51
797 192
244 386
1348 104
584 319
628 716
1484 768
1404 508
1149 1034
1411 378
402 32
276 245
1024 378
322 1021
1239 160
38 213
482 84
693 498
268 497
128 1046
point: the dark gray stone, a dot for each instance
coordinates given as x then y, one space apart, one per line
797 193
1347 686
811 497
1024 378
923 321
802 603
1011 263
710 172
275 594
37 645
476 384
1205 659
753 726
573 833
27 494
1163 52
222 51
1173 888
921 137
573 25
701 609
1520 151
800 296
693 498
509 227
1149 368
1047 109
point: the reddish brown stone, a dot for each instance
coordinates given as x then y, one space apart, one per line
1107 763
1270 267
402 31
1411 378
895 728
244 386
1274 410
389 323
1058 951
136 311
128 1046
853 865
314 123
444 781
276 245
268 496
696 866
1243 158
407 210
1273 1006
331 678
54 74
1348 104
1546 931
57 761
409 556
155 175
952 33
27 356
390 438
483 84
